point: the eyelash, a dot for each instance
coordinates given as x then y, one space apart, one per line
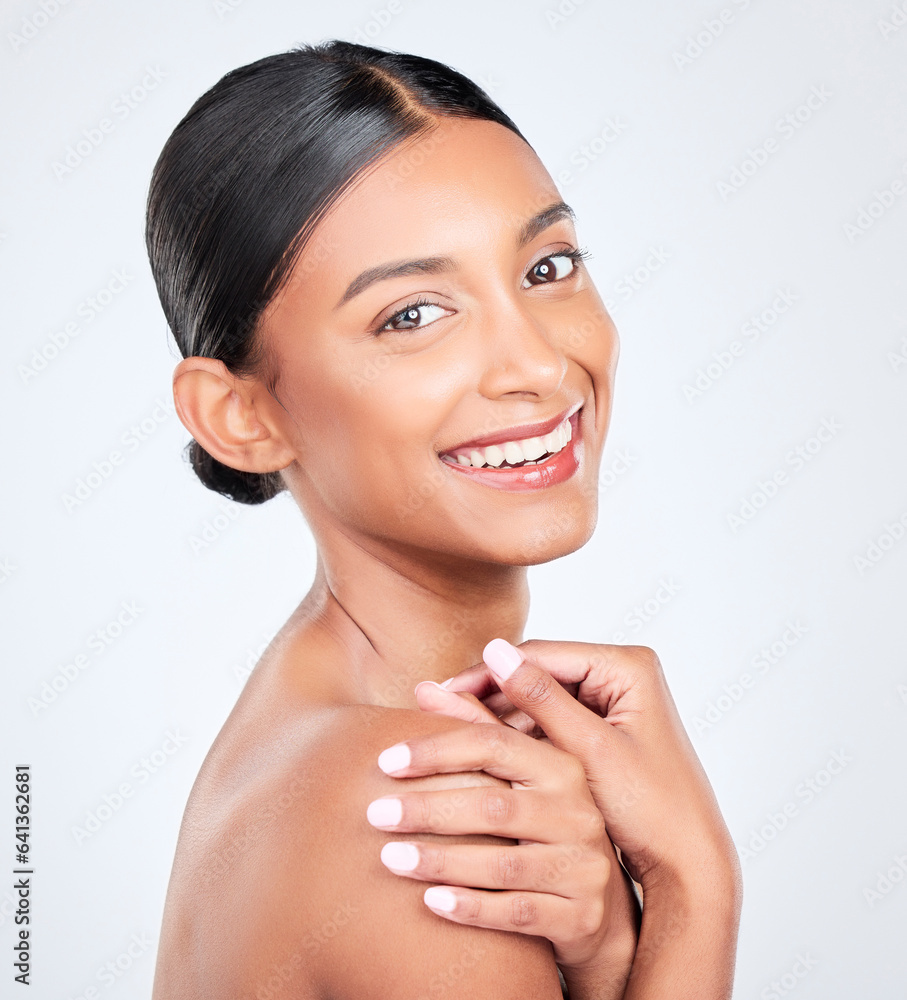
575 254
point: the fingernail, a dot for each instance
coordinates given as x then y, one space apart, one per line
444 684
440 899
384 812
502 658
400 855
433 684
394 758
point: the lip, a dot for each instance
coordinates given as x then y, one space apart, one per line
539 429
530 477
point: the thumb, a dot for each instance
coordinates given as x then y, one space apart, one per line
568 724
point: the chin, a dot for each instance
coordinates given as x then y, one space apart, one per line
562 532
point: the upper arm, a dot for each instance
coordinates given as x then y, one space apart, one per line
390 946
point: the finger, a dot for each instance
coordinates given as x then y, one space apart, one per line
431 697
542 914
598 674
517 719
531 688
498 750
479 681
569 662
565 870
485 809
498 702
475 679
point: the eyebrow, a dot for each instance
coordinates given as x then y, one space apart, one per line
436 265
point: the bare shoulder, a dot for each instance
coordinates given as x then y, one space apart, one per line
390 944
280 889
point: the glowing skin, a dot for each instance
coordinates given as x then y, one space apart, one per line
364 418
497 355
420 563
373 413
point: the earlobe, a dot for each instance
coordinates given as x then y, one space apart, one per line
228 417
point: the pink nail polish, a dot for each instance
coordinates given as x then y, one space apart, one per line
384 812
394 758
439 898
400 855
502 658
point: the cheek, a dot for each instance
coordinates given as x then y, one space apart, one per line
593 341
594 345
366 428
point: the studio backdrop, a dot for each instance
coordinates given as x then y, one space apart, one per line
739 174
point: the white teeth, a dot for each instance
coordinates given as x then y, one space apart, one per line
533 448
516 452
494 456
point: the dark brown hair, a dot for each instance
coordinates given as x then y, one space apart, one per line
245 177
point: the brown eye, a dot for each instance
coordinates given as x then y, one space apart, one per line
407 319
411 317
546 270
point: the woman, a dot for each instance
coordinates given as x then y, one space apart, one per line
382 308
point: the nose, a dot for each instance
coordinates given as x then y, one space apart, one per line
520 356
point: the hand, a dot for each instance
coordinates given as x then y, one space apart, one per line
610 707
560 881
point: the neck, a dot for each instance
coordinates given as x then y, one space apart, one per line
394 618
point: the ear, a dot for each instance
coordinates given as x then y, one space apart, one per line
235 420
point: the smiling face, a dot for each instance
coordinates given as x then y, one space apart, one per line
437 323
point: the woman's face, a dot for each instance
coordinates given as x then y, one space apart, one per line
395 386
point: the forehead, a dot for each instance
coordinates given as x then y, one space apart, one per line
462 185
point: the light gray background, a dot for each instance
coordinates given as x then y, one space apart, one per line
675 467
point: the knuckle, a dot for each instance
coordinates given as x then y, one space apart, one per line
417 812
523 911
425 751
493 740
574 770
433 863
556 870
538 690
508 868
601 873
495 807
590 917
469 907
597 744
592 826
645 658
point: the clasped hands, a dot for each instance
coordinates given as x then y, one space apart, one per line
596 755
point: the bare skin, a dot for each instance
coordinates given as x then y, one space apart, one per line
278 889
609 707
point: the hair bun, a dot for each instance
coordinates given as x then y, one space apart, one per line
243 487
